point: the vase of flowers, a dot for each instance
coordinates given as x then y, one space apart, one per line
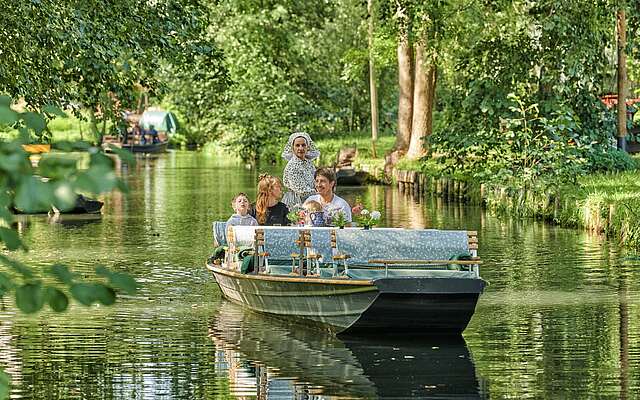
368 219
297 215
338 218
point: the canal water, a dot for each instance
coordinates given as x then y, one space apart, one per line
558 320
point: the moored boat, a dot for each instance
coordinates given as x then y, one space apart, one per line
353 280
159 147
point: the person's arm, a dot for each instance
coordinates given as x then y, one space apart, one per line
286 181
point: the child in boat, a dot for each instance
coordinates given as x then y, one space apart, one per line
298 175
241 205
314 213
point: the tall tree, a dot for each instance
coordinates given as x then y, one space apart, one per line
405 81
373 90
425 78
622 76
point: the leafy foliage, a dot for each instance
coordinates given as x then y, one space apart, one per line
91 54
274 67
55 181
521 95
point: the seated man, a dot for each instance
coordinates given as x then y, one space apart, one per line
153 133
138 131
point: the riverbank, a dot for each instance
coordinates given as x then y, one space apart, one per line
602 203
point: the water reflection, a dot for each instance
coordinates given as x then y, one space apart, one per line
74 220
265 358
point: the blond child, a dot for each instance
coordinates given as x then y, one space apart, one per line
314 213
241 206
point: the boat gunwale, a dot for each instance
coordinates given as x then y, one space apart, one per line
292 279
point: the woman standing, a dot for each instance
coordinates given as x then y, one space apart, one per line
298 176
325 183
269 210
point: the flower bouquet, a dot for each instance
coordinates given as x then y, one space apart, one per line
338 218
297 215
367 218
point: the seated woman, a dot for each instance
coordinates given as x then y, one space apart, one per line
325 182
269 210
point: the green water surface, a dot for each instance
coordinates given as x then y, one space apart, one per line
558 320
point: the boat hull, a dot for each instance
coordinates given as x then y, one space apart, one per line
429 306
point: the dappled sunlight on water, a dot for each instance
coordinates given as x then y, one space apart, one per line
558 320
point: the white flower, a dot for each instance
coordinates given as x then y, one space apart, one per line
375 214
364 212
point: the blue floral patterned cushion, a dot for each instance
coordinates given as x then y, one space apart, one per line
362 245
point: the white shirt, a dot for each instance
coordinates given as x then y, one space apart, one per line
337 203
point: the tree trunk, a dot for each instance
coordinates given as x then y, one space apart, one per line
622 78
423 98
405 98
372 84
93 125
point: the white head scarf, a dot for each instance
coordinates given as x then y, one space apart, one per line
312 152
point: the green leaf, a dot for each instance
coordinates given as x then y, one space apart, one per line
14 162
16 266
97 179
118 280
57 300
34 121
62 273
6 215
7 116
6 283
33 195
51 109
57 166
30 297
10 238
5 101
81 145
85 293
64 197
104 294
124 154
5 385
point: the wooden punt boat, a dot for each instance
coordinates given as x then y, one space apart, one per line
159 147
353 280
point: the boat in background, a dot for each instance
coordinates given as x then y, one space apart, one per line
352 280
83 205
348 176
159 147
164 122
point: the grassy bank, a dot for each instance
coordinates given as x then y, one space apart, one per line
603 203
70 128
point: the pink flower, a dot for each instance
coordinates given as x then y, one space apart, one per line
357 209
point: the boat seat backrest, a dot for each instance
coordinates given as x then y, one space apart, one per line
280 243
400 244
219 229
361 245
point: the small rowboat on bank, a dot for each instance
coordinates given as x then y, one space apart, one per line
353 280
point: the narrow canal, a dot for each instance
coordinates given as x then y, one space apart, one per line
559 319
